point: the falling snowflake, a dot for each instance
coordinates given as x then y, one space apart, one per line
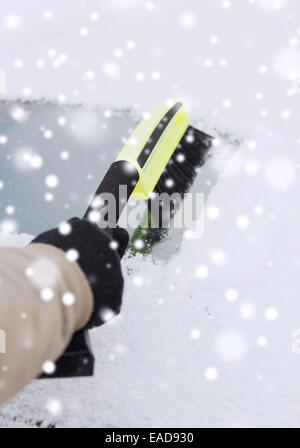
48 14
68 299
111 69
3 139
65 228
12 22
201 272
211 374
51 181
271 313
47 294
8 226
54 406
195 333
49 367
188 20
271 5
140 76
10 210
218 257
19 114
106 314
139 244
72 255
138 281
261 341
247 310
231 295
114 245
243 222
213 212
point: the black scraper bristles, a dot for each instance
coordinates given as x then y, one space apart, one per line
179 174
187 158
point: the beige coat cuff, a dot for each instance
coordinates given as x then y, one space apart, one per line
44 299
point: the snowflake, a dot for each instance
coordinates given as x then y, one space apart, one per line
114 245
261 341
155 76
54 406
195 333
139 244
258 210
48 14
3 139
263 69
48 134
271 313
201 272
12 22
130 45
106 314
138 281
242 222
47 294
18 114
140 76
8 226
10 210
213 212
218 257
18 63
271 5
188 20
227 103
286 114
214 39
94 16
84 31
51 181
49 197
111 69
226 4
118 53
150 6
40 63
49 367
68 299
65 228
64 155
36 161
169 183
211 374
247 310
231 295
72 255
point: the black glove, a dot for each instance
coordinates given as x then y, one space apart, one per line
99 258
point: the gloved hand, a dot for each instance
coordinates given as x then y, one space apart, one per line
99 256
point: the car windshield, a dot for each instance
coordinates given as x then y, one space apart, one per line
52 159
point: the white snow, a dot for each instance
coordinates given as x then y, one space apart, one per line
209 337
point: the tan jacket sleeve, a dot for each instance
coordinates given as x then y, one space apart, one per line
44 298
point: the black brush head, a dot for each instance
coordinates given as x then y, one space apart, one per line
178 176
187 158
183 166
181 171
